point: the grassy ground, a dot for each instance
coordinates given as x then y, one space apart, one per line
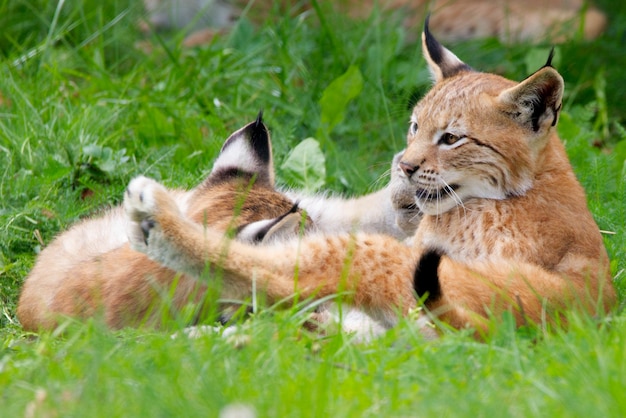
82 111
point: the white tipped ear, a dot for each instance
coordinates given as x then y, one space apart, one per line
246 151
442 63
536 101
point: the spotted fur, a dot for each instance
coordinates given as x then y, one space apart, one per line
505 226
91 269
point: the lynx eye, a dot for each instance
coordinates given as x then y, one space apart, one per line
412 128
449 139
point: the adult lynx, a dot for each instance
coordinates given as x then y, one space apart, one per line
505 228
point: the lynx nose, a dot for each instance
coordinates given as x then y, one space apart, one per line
407 168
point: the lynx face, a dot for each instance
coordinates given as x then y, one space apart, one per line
476 135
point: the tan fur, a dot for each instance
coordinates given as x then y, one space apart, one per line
509 20
318 266
91 269
502 208
123 284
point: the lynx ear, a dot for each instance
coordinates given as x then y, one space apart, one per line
261 232
536 101
441 62
246 151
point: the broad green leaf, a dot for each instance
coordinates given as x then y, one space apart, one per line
305 166
54 170
92 150
337 96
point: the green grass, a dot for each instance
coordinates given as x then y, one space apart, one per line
82 111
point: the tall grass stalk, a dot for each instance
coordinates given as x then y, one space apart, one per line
87 102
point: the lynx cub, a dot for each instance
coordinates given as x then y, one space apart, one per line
505 228
91 269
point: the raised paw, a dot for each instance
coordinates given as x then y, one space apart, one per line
142 203
403 202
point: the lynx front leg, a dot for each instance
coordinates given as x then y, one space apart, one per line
376 270
151 210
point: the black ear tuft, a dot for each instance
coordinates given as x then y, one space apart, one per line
442 62
550 57
257 135
434 48
260 138
426 277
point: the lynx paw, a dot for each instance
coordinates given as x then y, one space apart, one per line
408 215
141 205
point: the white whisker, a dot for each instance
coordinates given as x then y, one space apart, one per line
450 191
438 201
384 176
415 217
